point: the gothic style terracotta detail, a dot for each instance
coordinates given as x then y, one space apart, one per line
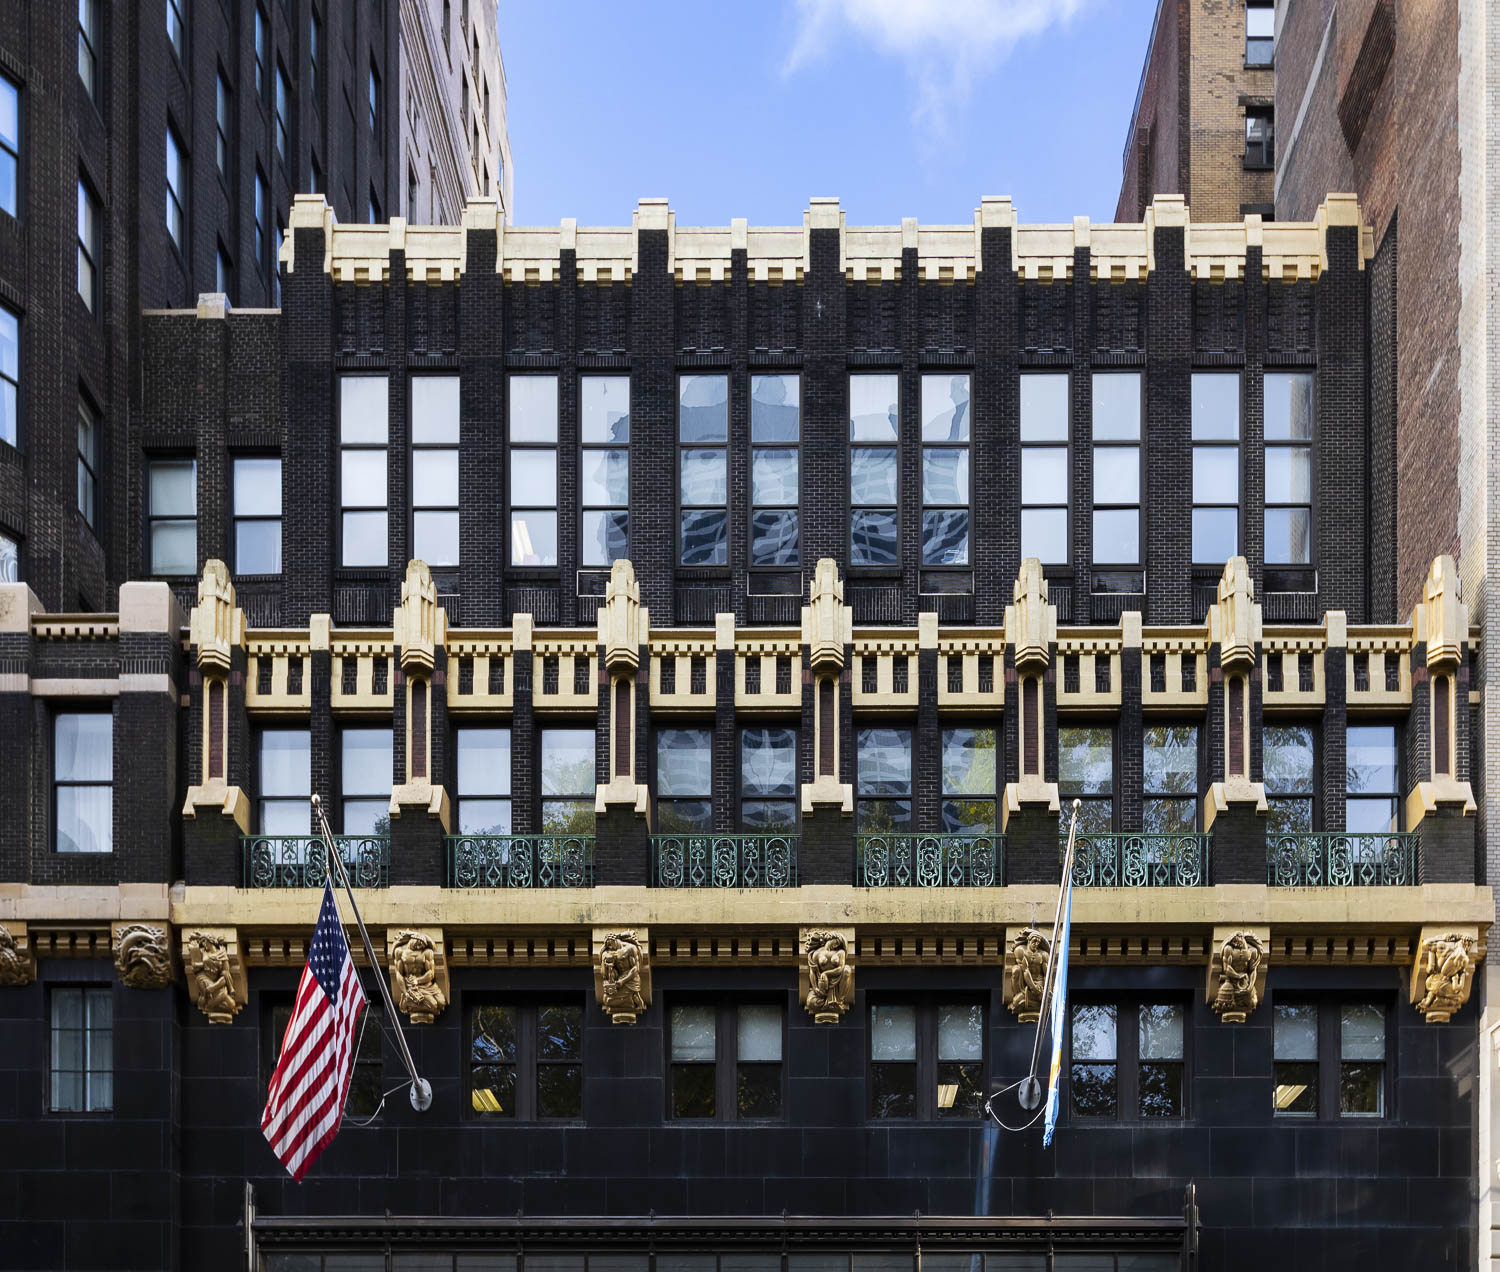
623 621
622 975
1445 625
419 624
1031 621
419 976
1236 621
143 955
827 623
829 989
1443 975
215 978
217 626
1238 968
1029 956
17 966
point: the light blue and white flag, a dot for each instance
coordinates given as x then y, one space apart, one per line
1058 1007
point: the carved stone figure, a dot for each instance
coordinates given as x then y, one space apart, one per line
415 977
830 980
17 967
1239 966
1445 974
1030 955
620 965
143 956
212 976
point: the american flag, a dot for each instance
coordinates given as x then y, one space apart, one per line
305 1102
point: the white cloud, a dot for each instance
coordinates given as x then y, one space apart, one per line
945 44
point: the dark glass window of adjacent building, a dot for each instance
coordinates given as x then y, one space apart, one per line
285 782
883 779
1289 441
10 559
1372 779
1117 468
10 375
1302 1033
968 762
874 469
223 272
223 125
567 781
172 515
1260 137
372 208
10 145
365 780
314 53
703 468
684 780
283 95
483 781
88 44
1127 1059
257 514
1044 468
276 261
83 763
926 1060
364 432
768 780
604 479
945 469
434 469
177 191
176 28
1260 32
262 52
88 247
374 101
1086 771
1216 467
533 470
725 1061
88 459
1170 770
775 471
262 210
1288 767
526 1061
365 1079
82 1070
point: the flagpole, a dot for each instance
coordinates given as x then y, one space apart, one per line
421 1089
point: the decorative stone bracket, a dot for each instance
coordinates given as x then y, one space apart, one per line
1028 955
1237 964
217 628
1031 631
622 972
418 966
215 973
827 982
1442 974
143 954
17 962
827 631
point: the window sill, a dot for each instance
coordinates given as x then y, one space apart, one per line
1258 167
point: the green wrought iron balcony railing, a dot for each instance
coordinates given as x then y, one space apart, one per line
301 861
520 861
1135 860
928 861
724 861
1333 859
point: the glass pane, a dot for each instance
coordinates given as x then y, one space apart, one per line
773 476
758 1092
492 1089
364 404
1161 1089
684 762
1288 816
10 103
945 475
568 817
285 817
367 816
705 537
968 761
173 488
774 537
759 1033
1260 22
484 761
364 536
257 547
434 479
1289 406
1216 535
1044 475
703 408
568 762
605 537
1216 407
945 538
1372 759
1085 760
604 478
533 538
435 537
1295 1031
84 816
484 817
1117 406
10 560
693 1090
1094 1089
959 1089
493 1034
684 816
286 763
362 478
969 816
768 762
1117 537
1044 534
604 408
1288 474
1288 759
533 408
1117 475
768 816
84 747
257 487
703 477
775 408
1093 1031
873 538
1362 1090
1296 1088
893 1033
945 408
559 1033
1216 474
693 1037
1169 816
366 762
960 1031
434 408
1361 1032
1161 1031
1044 408
1372 816
884 761
872 475
533 478
1171 759
872 408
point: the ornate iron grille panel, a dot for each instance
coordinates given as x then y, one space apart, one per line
1140 861
928 861
520 861
724 861
301 861
1341 859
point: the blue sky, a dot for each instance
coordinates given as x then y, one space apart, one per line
898 107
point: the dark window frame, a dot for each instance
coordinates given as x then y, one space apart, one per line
276 1011
414 446
258 768
726 1062
1315 735
90 242
861 725
688 725
1196 794
1260 138
966 446
1140 445
90 994
1066 446
926 1064
261 44
1398 744
743 724
461 794
680 449
88 47
152 516
585 449
342 729
1238 446
1311 445
1067 793
1257 58
795 446
88 465
282 107
540 569
179 202
223 128
1128 1059
527 1007
560 724
236 517
340 508
992 798
897 447
17 384
56 784
179 40
1330 1059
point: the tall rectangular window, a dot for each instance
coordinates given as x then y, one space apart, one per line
1287 766
1289 484
89 217
945 469
684 780
568 781
694 1054
1260 137
10 145
1260 32
1372 779
10 376
604 477
1294 1050
969 775
283 94
1094 1072
10 559
883 779
262 210
1161 1053
262 52
314 54
1361 1060
176 28
768 779
276 261
874 469
1170 772
172 515
533 470
88 45
83 780
374 101
526 1062
365 780
177 192
926 1060
434 469
283 806
223 125
364 432
703 468
1044 468
775 476
1086 772
88 460
256 484
223 271
1216 467
483 780
82 1069
1117 468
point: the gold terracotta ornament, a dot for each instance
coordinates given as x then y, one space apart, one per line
216 980
1237 973
1443 974
828 980
622 974
143 954
419 975
1027 961
17 963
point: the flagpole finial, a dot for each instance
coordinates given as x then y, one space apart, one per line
318 804
1077 803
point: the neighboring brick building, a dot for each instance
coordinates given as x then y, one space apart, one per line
1204 124
759 592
